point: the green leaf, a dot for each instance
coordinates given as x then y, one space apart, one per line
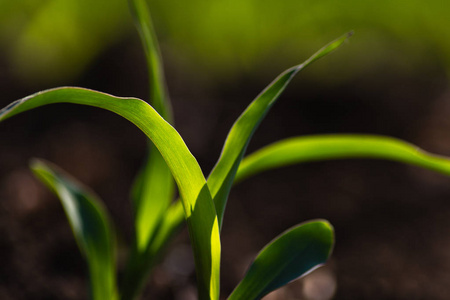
153 191
324 147
142 263
152 194
90 225
168 227
222 176
327 147
291 255
158 91
154 187
196 199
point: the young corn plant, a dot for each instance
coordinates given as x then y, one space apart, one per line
202 200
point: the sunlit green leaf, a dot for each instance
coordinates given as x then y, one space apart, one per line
222 176
154 187
338 146
168 227
152 195
153 191
291 255
90 225
326 147
197 202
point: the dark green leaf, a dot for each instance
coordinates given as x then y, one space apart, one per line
90 225
291 255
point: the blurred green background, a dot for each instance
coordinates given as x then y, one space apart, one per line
54 40
391 78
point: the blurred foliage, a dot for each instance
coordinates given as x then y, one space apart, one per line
53 40
239 35
228 37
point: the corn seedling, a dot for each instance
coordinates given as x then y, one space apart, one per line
202 200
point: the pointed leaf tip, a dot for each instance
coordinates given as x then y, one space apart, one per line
221 178
90 225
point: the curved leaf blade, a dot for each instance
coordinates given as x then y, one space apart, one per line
222 176
294 253
153 189
196 199
327 147
90 225
339 146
